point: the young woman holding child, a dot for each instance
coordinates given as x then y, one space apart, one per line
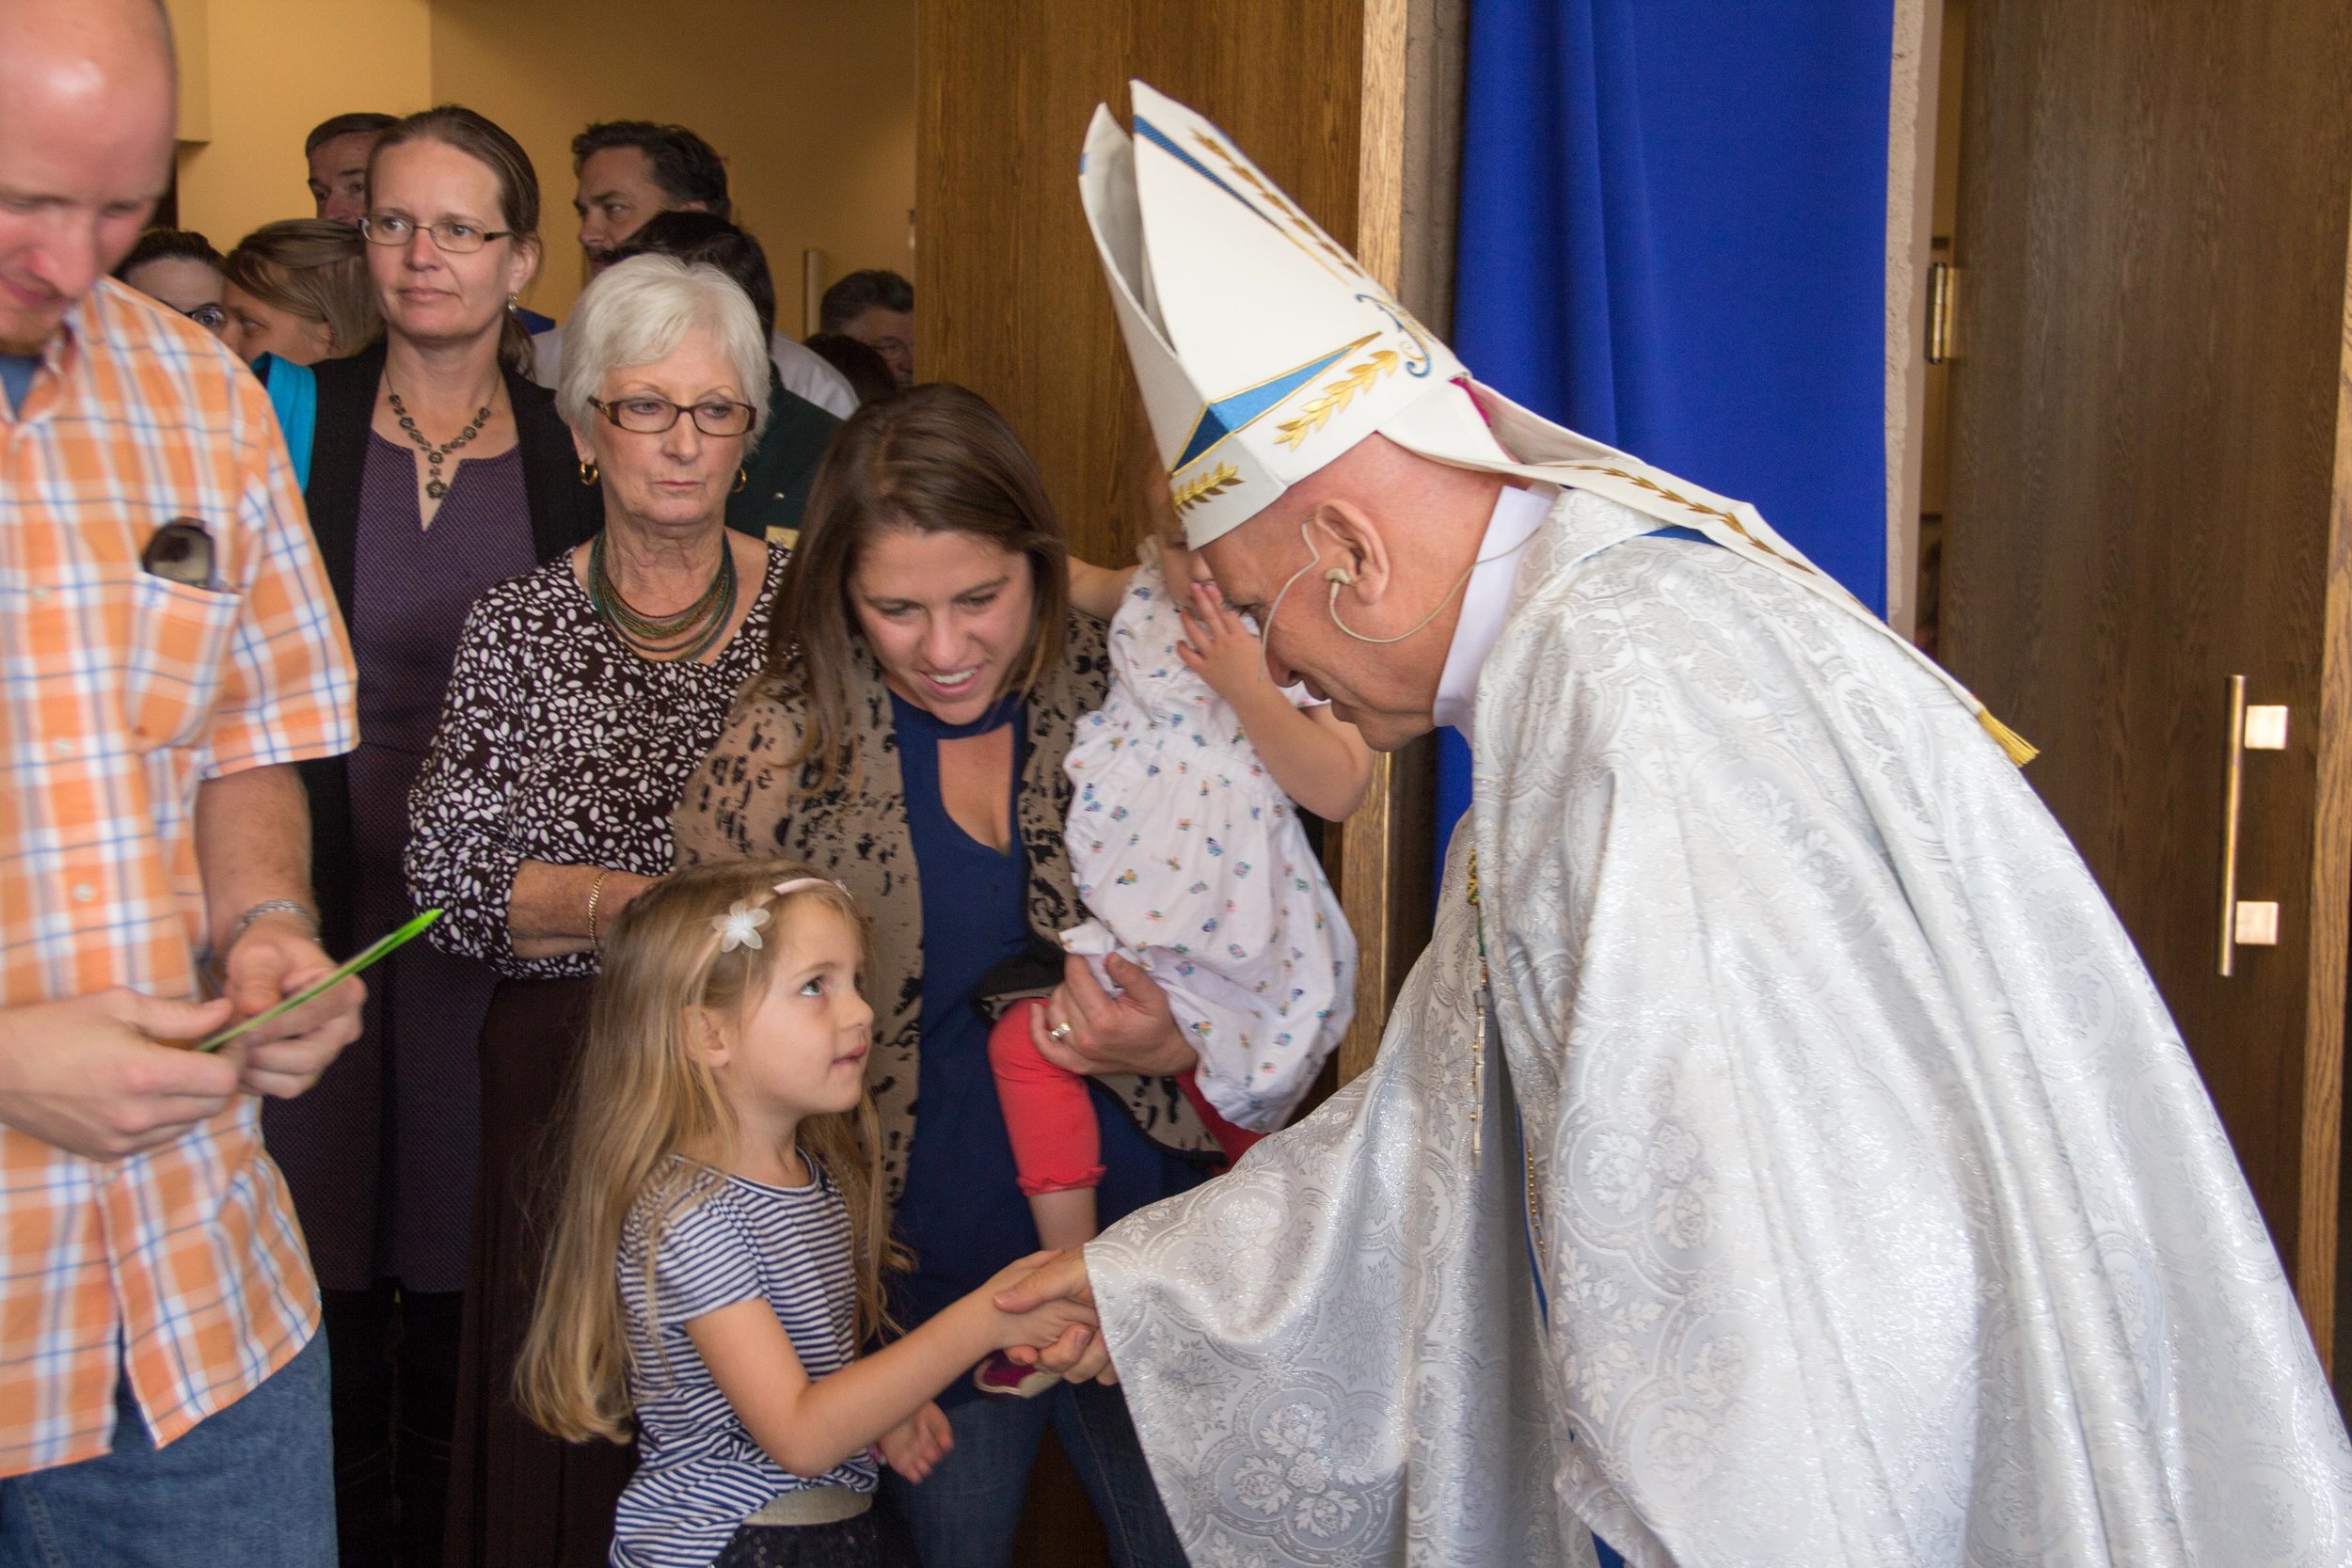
719 1242
908 737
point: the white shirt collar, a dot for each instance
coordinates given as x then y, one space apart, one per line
1519 512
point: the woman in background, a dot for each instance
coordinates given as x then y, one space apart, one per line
177 267
436 472
299 290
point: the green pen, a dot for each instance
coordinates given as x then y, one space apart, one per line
379 950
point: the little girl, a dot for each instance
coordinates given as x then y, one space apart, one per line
719 1242
1189 854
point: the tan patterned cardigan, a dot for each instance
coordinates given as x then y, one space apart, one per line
742 801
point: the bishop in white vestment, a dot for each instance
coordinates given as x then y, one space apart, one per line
1780 1156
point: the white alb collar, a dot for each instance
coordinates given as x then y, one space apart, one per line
1518 513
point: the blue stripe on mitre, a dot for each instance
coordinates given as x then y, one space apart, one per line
1226 415
1167 144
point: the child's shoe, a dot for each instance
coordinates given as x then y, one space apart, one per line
1001 1374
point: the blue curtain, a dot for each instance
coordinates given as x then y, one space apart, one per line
1673 239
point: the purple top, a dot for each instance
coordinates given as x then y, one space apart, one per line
380 1153
418 583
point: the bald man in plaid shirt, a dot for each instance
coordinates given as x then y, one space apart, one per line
169 650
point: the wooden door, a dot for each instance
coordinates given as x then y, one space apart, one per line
2149 493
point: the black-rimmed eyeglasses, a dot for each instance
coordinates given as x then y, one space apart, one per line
459 239
653 416
210 317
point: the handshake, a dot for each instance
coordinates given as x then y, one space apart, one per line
1044 1307
1040 1311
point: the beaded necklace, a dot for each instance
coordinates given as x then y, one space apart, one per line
435 486
686 635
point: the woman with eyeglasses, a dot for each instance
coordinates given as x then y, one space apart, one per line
434 472
177 267
583 696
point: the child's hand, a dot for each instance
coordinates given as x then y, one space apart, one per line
1039 1327
1216 645
916 1446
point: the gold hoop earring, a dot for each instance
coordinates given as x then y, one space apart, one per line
587 472
743 477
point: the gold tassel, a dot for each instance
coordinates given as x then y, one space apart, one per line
2020 750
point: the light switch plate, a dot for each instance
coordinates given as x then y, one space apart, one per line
2267 728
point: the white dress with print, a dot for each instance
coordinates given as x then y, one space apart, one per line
1194 865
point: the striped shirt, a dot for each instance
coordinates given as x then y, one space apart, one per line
699 1472
121 692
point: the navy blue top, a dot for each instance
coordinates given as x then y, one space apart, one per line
16 376
961 1212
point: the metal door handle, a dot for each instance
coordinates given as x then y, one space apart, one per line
2263 728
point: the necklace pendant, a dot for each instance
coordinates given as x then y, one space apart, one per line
435 488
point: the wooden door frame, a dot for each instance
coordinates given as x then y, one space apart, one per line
2318 1235
1381 860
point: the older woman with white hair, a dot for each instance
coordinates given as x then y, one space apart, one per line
583 697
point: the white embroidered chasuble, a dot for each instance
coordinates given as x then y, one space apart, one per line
1882 1216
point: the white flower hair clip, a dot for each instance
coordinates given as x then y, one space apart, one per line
739 926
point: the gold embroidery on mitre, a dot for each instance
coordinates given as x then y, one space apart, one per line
1206 408
1419 360
1201 488
1306 233
1336 396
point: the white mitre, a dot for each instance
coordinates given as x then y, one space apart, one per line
1263 352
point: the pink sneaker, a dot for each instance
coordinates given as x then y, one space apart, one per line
1001 1374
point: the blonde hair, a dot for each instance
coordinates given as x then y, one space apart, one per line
641 1097
317 270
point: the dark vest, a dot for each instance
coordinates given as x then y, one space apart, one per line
779 470
563 512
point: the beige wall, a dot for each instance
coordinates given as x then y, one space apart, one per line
811 101
272 69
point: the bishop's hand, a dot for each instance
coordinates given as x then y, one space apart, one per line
1079 1354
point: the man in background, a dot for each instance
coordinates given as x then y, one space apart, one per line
168 651
877 307
338 152
630 170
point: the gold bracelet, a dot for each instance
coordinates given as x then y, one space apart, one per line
595 890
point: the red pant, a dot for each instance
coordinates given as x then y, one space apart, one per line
1057 1145
1049 1112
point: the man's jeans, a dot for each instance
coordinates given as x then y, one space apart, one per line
252 1485
965 1514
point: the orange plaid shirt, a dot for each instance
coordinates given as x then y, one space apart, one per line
182 1267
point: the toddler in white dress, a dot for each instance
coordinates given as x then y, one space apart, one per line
1188 852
